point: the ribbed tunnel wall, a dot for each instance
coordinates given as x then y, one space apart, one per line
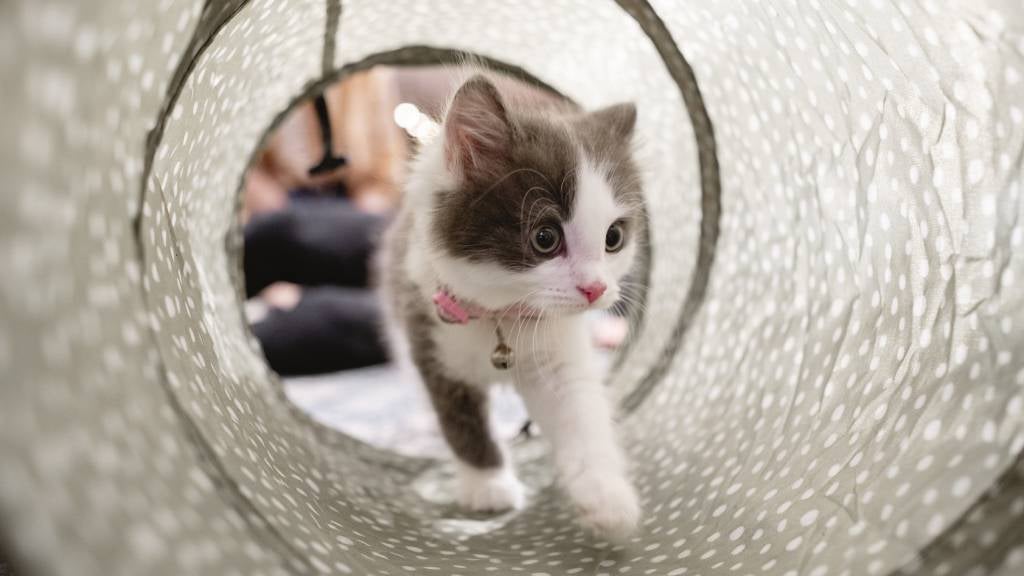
828 378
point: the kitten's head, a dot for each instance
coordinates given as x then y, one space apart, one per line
541 209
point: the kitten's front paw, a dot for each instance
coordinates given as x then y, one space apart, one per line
608 505
492 490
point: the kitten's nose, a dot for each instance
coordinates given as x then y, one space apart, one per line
592 291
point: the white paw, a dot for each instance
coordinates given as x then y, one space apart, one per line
491 490
608 505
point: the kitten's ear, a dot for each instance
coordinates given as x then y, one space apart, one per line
477 131
615 122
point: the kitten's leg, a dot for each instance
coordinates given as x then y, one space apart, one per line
569 403
486 479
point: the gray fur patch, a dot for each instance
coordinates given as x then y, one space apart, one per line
462 409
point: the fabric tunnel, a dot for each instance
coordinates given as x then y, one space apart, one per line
827 378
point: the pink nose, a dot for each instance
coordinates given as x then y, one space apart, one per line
592 291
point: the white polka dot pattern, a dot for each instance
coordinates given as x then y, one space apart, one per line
849 400
98 476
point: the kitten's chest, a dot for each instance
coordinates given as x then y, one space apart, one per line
466 350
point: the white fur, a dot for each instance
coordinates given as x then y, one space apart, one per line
564 394
490 490
555 368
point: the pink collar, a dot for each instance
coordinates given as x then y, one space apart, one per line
453 311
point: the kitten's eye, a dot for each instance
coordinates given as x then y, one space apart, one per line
546 239
615 238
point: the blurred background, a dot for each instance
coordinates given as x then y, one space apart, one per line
316 201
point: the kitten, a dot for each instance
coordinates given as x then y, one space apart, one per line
523 216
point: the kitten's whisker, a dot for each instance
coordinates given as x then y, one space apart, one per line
545 332
633 312
630 305
517 326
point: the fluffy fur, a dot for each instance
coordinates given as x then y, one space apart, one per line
476 198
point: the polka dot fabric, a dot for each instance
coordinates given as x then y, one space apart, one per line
847 399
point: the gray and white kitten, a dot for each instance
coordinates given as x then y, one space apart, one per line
524 216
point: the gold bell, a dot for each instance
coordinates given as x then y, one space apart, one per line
502 356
